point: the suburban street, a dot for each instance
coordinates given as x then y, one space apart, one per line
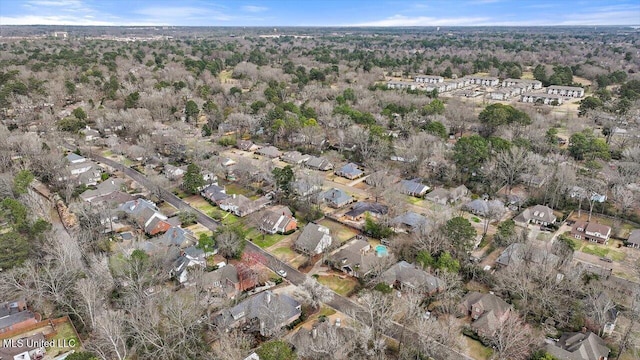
338 302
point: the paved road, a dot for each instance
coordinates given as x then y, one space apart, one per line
340 303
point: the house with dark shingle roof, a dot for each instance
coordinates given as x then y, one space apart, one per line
350 171
410 277
214 193
224 279
103 189
15 315
579 346
146 215
177 236
314 239
335 198
278 220
355 258
247 145
27 348
267 310
413 188
361 208
487 312
269 151
319 163
409 221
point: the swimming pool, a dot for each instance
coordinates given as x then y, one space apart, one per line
381 251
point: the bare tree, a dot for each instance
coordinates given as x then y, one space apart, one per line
513 339
315 293
109 340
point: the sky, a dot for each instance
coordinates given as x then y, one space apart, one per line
320 12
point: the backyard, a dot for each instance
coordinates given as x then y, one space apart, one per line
65 335
339 232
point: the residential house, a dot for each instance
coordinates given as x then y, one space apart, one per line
224 279
360 209
179 237
73 158
90 134
634 239
316 340
214 193
242 206
105 188
319 163
409 222
591 231
458 193
566 91
355 258
350 171
407 276
429 79
265 312
314 239
547 99
226 162
269 151
335 198
26 348
146 215
15 315
113 200
294 157
538 214
247 145
518 253
401 85
579 346
438 196
487 311
189 258
305 187
468 93
413 188
278 220
81 170
485 207
174 172
533 180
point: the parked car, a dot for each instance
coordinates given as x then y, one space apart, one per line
282 273
606 259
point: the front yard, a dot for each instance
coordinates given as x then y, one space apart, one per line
341 284
264 240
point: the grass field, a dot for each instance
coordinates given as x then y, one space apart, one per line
338 231
285 251
199 203
264 242
603 251
64 332
233 188
476 350
342 286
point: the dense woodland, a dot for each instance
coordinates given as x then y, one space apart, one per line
185 95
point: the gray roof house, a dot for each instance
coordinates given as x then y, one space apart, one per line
538 214
361 208
269 151
409 221
214 193
241 206
304 187
104 188
335 198
413 188
634 239
484 207
579 346
179 237
409 276
146 215
27 347
319 163
74 158
438 196
247 145
350 171
314 239
224 279
294 157
355 258
487 311
267 311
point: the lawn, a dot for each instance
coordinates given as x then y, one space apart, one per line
476 350
64 332
285 251
338 231
199 203
603 251
107 153
544 236
264 240
343 286
233 188
413 200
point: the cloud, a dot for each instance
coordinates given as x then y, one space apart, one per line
401 20
603 18
52 20
254 9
